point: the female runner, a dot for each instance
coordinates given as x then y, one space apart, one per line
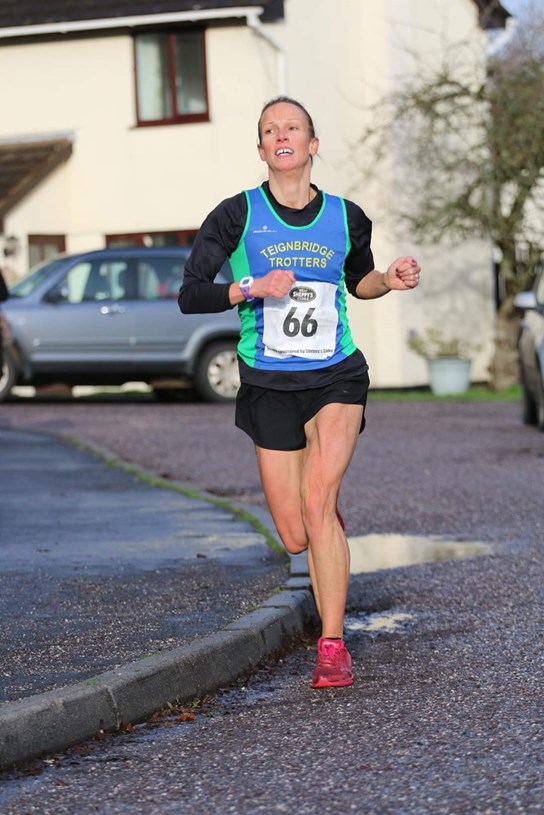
294 250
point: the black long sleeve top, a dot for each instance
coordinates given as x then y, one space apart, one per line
220 234
216 241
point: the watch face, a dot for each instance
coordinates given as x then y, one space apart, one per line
245 285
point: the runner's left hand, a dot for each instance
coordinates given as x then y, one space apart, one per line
403 274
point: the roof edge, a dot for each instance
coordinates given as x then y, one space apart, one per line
61 150
133 21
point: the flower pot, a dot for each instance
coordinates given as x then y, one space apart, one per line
449 375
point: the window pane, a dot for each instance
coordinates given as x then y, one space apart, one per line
42 247
161 278
34 254
190 74
109 280
123 242
123 283
161 239
76 282
152 77
27 284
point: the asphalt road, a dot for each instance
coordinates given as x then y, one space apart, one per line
420 467
446 714
99 567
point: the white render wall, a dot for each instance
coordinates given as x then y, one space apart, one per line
341 56
369 47
121 178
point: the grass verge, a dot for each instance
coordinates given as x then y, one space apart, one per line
162 483
474 394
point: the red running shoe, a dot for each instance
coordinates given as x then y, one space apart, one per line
333 668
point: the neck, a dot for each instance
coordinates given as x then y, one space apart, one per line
290 191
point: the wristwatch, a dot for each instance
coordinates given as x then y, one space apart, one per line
245 284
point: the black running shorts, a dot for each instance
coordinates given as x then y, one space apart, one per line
275 419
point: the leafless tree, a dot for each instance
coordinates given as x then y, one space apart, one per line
471 144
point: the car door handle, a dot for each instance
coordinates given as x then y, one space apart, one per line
115 308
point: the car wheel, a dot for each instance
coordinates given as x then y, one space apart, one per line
217 378
528 404
8 376
540 402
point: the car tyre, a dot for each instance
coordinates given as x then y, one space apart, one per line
540 403
217 378
529 405
8 376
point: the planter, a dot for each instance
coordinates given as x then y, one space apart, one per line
449 375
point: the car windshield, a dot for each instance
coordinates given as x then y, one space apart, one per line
27 284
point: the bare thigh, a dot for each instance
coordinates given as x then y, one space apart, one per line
301 482
331 439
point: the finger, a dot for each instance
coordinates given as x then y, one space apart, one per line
411 279
407 264
409 274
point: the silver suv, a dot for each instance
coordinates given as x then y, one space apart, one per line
531 352
111 316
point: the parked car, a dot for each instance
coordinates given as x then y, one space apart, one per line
111 316
531 352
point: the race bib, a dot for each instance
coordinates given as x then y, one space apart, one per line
303 323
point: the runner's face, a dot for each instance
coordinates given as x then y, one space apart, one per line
286 142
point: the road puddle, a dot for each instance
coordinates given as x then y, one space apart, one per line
372 553
381 622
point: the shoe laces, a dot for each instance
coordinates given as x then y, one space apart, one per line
332 652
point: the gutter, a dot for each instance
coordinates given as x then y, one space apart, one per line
33 138
134 21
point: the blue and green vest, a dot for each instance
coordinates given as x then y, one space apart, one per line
308 328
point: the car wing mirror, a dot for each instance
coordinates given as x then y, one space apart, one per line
58 294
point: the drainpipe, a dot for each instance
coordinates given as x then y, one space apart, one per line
254 23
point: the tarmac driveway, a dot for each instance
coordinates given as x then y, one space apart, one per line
446 715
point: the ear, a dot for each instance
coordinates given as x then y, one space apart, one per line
314 146
261 152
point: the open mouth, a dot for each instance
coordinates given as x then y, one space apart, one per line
284 151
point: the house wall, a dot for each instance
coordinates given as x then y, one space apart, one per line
341 57
370 48
122 178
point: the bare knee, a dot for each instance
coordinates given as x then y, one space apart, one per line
295 544
291 530
318 507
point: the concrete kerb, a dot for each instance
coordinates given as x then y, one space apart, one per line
57 719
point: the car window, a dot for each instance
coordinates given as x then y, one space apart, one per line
160 278
27 284
92 280
225 274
